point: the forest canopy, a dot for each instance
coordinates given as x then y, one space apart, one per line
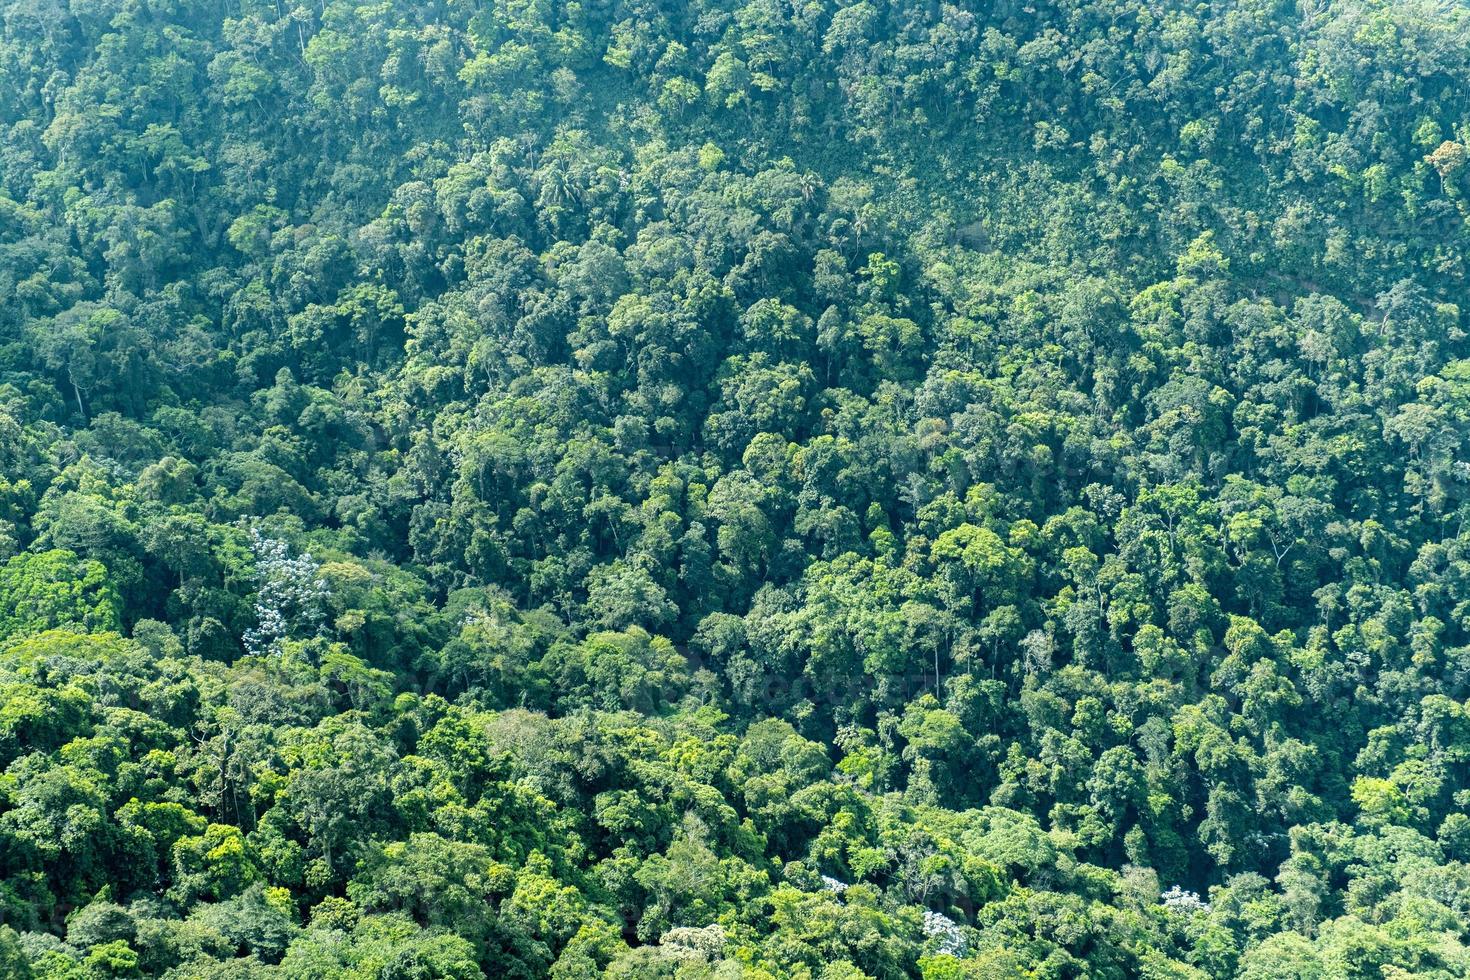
722 490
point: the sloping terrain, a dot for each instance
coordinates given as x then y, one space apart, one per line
645 489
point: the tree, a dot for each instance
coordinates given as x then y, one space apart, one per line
56 589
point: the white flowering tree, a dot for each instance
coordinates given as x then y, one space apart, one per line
947 934
1176 899
290 599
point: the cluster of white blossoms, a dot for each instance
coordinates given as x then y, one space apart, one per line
1177 899
951 938
290 598
833 885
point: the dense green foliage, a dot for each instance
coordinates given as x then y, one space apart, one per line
711 489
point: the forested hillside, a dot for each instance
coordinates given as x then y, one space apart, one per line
734 491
